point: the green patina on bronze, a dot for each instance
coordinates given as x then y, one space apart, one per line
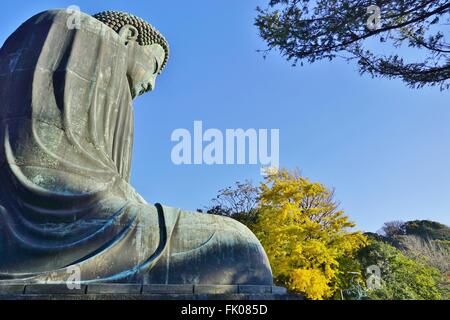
66 135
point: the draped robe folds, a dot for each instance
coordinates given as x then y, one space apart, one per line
66 135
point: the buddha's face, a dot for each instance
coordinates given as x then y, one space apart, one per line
144 64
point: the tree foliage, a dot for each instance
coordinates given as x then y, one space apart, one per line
431 252
239 201
402 278
309 31
313 251
393 229
426 242
427 229
304 234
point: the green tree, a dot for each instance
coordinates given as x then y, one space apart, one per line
402 278
427 229
309 31
426 242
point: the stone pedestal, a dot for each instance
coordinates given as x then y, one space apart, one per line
143 292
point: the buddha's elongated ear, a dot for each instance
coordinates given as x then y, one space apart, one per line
128 33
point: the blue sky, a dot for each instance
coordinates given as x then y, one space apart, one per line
384 147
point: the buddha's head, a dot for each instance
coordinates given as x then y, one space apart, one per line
147 50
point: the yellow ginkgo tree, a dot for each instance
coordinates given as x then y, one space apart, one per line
304 234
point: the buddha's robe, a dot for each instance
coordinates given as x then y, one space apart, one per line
66 135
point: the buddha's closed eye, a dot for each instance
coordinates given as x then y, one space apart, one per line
156 70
